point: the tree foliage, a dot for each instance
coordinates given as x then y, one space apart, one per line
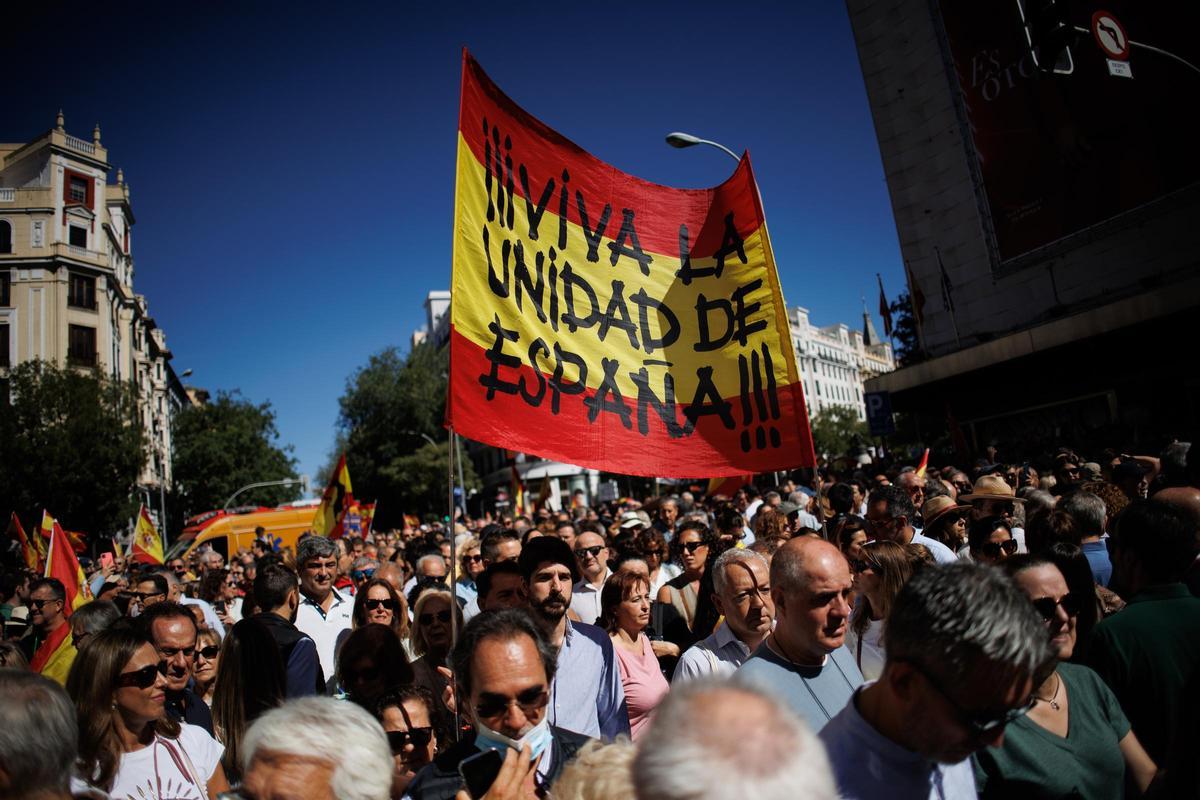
389 407
71 443
222 446
904 330
836 429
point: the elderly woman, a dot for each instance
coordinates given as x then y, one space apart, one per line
990 540
1075 741
431 641
406 714
880 572
128 746
624 614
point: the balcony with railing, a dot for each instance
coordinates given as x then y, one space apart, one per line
8 195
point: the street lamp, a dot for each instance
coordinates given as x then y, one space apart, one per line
302 480
681 140
424 436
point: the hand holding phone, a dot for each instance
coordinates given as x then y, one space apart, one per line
492 776
106 563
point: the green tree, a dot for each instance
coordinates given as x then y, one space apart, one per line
71 443
836 429
222 446
904 330
388 409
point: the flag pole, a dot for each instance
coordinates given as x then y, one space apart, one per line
451 444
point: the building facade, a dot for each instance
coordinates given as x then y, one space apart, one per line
834 361
66 280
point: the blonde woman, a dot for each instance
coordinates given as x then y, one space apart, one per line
880 571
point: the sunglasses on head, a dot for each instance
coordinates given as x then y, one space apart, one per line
992 549
142 678
441 616
529 700
1048 606
362 574
594 551
419 737
389 604
692 547
209 652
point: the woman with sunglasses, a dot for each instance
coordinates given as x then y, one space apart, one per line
128 746
204 672
377 601
651 547
1075 741
430 642
880 572
251 680
990 540
406 715
692 543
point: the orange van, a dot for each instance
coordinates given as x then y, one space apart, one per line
226 531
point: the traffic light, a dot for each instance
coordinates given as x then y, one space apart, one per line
1050 34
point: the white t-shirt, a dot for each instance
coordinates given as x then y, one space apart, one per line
871 658
175 765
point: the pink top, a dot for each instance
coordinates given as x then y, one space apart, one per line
644 684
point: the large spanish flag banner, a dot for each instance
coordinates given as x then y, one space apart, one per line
608 322
147 547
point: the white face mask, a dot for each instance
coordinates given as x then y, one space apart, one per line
537 737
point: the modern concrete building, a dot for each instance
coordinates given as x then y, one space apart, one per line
1046 219
66 280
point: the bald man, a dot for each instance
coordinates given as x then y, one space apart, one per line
803 662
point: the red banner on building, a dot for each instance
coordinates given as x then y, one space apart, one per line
608 322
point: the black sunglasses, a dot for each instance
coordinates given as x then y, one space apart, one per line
441 616
419 737
38 604
209 652
992 549
594 552
692 547
1048 606
529 700
390 605
473 558
142 678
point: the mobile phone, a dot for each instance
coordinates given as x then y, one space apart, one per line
480 771
219 606
106 560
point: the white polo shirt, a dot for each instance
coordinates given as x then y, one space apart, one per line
585 599
325 626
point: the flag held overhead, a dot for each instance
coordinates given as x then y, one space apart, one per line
337 498
609 322
147 543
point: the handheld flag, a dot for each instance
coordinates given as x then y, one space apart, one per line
368 516
608 322
118 551
924 465
29 553
334 502
147 545
56 654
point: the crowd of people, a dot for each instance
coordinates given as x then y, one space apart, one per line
998 630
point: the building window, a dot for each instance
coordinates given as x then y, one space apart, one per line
6 242
5 288
77 188
81 345
77 236
4 360
81 291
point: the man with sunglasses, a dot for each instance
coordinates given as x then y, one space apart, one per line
592 553
277 593
49 650
587 696
504 670
148 590
172 630
890 515
964 652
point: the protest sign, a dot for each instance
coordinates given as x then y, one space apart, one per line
609 322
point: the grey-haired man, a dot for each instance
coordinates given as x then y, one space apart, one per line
324 611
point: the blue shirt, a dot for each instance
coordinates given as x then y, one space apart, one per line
816 694
586 695
1098 560
866 764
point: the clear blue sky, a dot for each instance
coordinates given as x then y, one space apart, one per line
292 164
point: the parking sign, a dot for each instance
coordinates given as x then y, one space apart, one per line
879 413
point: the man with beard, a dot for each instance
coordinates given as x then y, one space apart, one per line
586 696
277 594
804 662
172 630
964 649
742 594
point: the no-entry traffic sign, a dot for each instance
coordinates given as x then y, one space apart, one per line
1110 35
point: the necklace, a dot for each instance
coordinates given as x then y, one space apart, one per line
1053 701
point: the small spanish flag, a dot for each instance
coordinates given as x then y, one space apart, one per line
368 516
54 656
337 498
147 545
924 465
29 553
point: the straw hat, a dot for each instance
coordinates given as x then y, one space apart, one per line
992 487
938 506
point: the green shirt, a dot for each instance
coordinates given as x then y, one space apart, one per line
1146 654
1034 763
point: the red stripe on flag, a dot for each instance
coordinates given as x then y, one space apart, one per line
546 154
606 443
50 646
